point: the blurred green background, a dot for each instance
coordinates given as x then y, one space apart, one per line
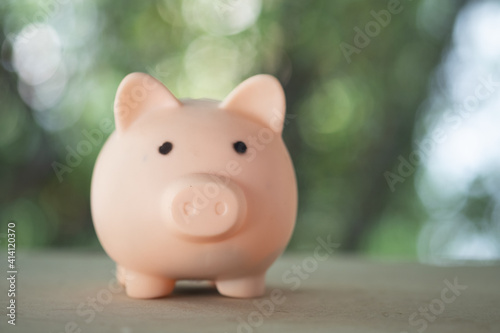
393 110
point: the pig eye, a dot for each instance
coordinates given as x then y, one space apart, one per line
165 148
240 147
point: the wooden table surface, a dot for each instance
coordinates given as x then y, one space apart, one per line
76 292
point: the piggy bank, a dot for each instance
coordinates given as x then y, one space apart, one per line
195 189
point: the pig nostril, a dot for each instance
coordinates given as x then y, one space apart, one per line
220 208
189 209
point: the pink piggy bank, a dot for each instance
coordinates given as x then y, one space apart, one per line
195 189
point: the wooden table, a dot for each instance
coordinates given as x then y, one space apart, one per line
76 292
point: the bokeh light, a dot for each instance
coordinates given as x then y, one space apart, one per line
37 53
222 17
452 185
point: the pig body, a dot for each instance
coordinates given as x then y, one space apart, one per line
195 189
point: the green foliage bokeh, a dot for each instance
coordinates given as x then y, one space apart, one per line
349 119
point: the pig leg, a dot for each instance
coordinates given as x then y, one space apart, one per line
120 275
242 287
139 285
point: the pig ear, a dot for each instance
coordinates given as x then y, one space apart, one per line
260 98
139 93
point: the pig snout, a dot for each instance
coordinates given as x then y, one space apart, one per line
202 206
